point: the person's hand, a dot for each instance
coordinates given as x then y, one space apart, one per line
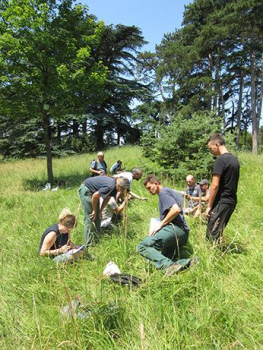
93 215
156 229
208 212
65 248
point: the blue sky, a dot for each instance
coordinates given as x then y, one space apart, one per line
154 17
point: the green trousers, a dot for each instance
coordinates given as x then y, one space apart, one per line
91 228
164 248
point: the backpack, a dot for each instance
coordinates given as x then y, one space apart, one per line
96 165
125 279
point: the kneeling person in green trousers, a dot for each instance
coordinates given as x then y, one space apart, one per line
164 243
90 192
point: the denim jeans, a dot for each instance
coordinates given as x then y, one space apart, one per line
91 228
164 248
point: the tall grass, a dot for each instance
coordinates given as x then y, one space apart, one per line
215 305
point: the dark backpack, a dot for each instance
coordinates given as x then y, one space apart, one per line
125 279
96 166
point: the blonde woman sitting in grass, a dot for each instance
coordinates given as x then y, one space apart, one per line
56 238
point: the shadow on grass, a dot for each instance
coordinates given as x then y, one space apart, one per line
233 248
65 181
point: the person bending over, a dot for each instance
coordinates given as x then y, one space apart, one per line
90 192
56 238
111 208
135 174
166 240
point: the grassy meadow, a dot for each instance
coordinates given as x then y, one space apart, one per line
215 305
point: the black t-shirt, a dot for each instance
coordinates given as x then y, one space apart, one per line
228 167
167 198
104 184
61 238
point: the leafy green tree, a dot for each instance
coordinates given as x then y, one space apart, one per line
117 51
214 63
46 66
180 148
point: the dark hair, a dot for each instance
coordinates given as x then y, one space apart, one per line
216 138
136 170
152 179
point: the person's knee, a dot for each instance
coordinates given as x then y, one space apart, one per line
140 247
146 243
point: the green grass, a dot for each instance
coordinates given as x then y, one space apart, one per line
215 305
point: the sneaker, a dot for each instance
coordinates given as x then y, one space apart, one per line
174 268
47 187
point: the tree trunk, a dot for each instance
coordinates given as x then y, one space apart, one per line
59 133
253 105
48 147
75 128
261 93
99 133
239 107
217 100
210 88
118 137
84 128
245 138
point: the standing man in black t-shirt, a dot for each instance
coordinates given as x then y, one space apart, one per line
223 190
90 192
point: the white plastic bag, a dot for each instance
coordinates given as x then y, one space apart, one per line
111 268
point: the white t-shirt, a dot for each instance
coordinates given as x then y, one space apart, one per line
108 211
126 174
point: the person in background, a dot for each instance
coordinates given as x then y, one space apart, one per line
192 190
205 193
56 238
111 208
135 174
98 166
116 168
223 192
90 192
170 235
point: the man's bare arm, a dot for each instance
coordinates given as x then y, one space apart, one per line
213 191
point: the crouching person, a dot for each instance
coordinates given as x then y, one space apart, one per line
56 238
166 240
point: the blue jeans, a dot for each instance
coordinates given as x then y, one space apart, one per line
91 228
164 247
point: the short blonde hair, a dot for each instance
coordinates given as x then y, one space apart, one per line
67 219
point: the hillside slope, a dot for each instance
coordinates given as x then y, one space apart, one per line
215 305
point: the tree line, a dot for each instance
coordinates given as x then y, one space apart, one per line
213 63
68 81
